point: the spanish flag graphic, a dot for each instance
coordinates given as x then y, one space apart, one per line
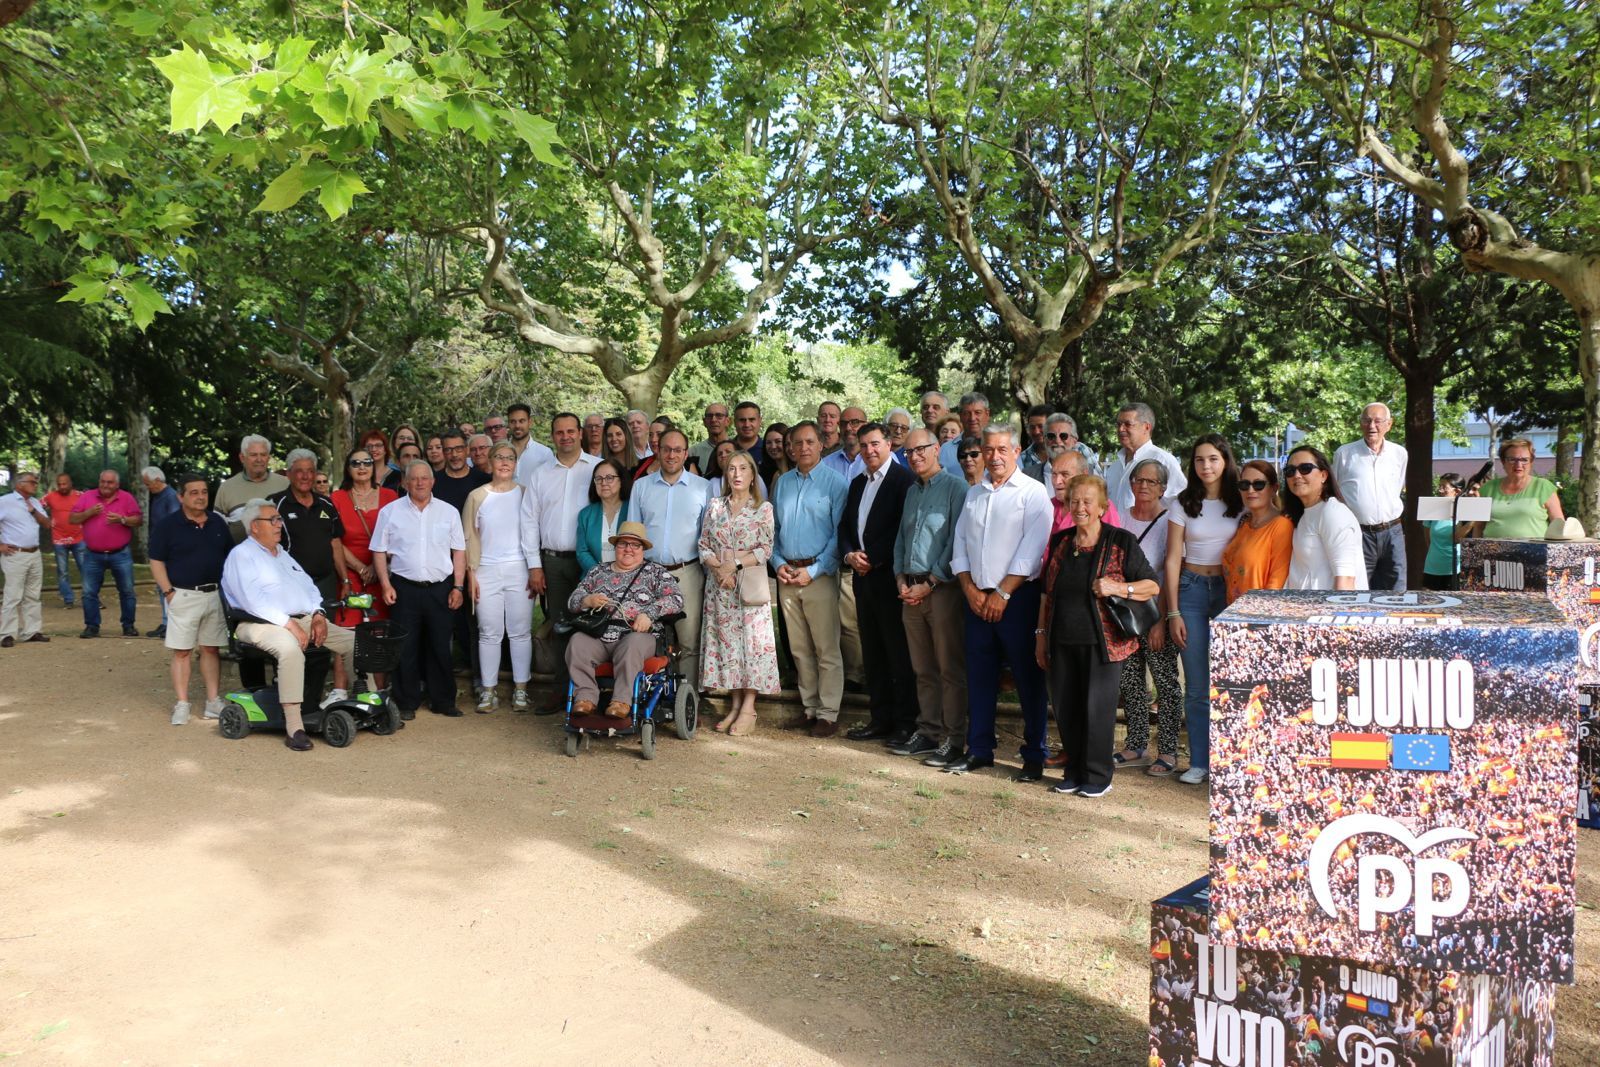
1360 752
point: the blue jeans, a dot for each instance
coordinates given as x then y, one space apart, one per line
95 565
64 573
1201 598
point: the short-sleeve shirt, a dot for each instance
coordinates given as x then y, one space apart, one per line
1519 515
194 553
99 535
419 542
454 491
309 531
1204 535
62 532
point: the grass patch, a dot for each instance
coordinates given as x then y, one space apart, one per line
952 852
606 845
928 792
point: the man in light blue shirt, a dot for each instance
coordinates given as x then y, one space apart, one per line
847 462
974 417
807 503
670 502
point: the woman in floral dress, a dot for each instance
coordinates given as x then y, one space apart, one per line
739 652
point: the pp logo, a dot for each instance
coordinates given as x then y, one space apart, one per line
1369 901
1369 1049
1396 600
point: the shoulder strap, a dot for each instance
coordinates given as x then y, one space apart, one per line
1140 539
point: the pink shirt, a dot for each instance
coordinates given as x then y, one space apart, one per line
99 535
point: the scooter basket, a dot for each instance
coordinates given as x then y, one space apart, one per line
378 645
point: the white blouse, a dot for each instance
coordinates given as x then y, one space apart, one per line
1327 545
1207 534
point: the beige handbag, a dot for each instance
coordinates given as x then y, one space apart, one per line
753 588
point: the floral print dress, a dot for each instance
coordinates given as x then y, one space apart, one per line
739 651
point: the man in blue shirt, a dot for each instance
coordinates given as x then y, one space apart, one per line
670 502
163 502
807 503
974 418
187 551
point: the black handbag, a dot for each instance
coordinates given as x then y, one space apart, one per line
1133 618
593 621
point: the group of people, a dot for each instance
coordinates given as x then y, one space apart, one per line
926 559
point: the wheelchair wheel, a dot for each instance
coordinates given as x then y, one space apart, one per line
233 724
388 722
338 728
572 745
686 711
647 740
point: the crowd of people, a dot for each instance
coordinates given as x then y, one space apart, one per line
917 561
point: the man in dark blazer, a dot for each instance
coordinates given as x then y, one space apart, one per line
867 532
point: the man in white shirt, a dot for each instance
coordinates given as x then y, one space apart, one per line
557 492
262 580
639 428
670 502
531 455
999 551
21 519
1372 476
1135 423
420 553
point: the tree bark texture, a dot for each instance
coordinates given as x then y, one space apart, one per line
136 419
56 451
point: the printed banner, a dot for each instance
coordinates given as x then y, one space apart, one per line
1213 1004
1392 779
1589 757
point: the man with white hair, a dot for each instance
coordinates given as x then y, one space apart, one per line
639 427
1372 476
594 433
1135 423
22 518
313 535
263 581
1061 434
897 424
256 481
163 504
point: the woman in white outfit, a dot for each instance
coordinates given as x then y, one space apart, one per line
497 579
1327 537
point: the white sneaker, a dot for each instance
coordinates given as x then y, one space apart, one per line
214 708
488 700
180 713
519 699
1194 776
334 696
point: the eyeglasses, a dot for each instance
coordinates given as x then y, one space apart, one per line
454 449
971 454
276 520
1255 486
1303 469
620 545
605 479
1058 437
1151 482
916 450
361 463
1518 460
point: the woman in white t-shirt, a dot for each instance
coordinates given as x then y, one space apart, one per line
497 579
1204 520
1327 537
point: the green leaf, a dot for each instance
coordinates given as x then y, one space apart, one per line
481 21
144 302
199 96
337 193
285 191
470 115
292 55
87 291
538 133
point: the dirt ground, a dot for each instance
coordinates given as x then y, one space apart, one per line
463 892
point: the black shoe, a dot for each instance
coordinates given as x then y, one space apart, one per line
869 732
946 754
298 741
407 714
1094 792
130 631
7 641
1031 772
899 737
159 631
451 712
916 744
90 631
1067 785
969 763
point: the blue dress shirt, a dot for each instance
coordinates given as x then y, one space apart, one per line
671 513
808 508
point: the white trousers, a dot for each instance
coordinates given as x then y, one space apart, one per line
19 609
504 610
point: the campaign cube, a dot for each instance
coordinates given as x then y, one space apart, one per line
1214 1005
1589 757
1392 779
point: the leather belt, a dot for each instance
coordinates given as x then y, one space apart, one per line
806 562
204 587
559 553
919 579
1380 526
19 548
679 566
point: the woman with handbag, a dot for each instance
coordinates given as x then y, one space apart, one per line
1099 596
358 501
1157 657
1199 528
617 607
735 543
497 580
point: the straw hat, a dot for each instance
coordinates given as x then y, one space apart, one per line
1569 529
634 531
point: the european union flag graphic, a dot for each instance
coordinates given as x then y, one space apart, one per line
1420 752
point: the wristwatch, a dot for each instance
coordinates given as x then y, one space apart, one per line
1130 592
1003 594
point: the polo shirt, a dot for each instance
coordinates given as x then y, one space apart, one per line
98 534
454 491
194 553
309 531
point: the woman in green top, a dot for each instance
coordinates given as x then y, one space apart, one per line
1444 557
1524 505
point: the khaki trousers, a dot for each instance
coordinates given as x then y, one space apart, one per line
934 630
279 643
812 615
20 616
627 655
691 579
855 669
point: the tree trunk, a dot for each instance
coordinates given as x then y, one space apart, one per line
137 417
1033 368
56 455
1589 366
339 436
1420 425
1566 449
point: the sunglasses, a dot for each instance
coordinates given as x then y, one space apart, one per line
1303 469
1058 437
1253 486
361 463
974 454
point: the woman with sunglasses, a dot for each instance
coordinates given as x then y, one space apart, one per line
1327 537
497 579
1524 504
358 500
1258 556
969 453
1199 527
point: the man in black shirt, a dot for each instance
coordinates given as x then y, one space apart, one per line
187 551
314 538
453 485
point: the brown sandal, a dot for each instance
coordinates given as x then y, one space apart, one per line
618 710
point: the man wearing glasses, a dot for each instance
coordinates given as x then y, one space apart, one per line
1135 424
263 581
974 410
669 502
1061 435
715 421
495 427
1372 475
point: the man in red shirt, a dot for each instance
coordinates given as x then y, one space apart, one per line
67 538
107 518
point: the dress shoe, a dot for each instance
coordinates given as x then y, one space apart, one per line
869 732
159 631
968 763
90 631
917 744
1058 759
37 639
130 631
899 737
824 728
407 714
618 710
7 641
946 754
451 712
581 707
1031 772
298 741
800 722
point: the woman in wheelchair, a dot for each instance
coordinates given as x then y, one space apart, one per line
626 599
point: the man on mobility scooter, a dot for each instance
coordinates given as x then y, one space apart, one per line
284 610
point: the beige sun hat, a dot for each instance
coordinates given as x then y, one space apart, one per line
1568 529
634 531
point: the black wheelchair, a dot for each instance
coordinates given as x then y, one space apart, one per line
661 696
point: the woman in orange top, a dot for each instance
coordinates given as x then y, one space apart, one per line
1258 556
